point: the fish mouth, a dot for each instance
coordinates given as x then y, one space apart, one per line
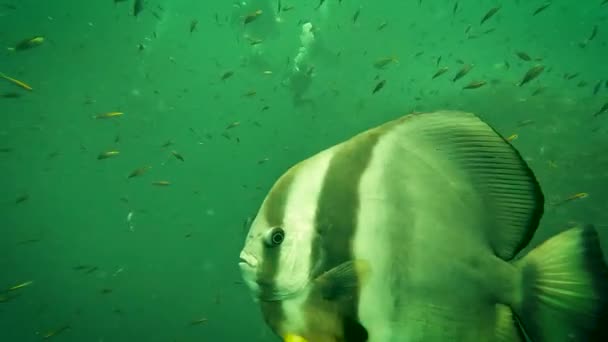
247 260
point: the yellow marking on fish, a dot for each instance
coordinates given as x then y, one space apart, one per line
293 338
16 82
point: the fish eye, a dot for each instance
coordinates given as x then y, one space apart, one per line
274 237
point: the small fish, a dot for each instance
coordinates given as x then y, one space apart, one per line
193 25
263 161
106 291
523 56
254 41
593 34
475 85
22 198
531 74
227 75
55 332
320 4
579 195
10 95
538 91
382 26
489 14
6 149
440 72
198 321
602 110
384 62
161 183
356 15
28 241
167 144
455 8
252 16
20 286
523 123
29 43
233 125
16 82
107 154
139 171
130 222
379 86
138 6
541 8
570 76
465 70
177 155
108 115
91 270
604 2
512 137
250 93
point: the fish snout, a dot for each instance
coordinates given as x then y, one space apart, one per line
247 260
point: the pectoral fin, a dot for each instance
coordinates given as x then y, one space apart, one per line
342 281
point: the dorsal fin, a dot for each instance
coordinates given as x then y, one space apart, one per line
511 196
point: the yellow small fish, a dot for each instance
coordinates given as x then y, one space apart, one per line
16 82
20 286
475 85
440 72
253 16
512 137
28 43
107 154
161 183
576 196
108 115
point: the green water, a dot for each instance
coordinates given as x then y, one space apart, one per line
64 214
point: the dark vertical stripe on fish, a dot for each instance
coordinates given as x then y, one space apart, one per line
337 212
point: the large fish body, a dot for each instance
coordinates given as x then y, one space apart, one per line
409 232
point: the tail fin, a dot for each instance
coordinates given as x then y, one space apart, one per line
564 289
